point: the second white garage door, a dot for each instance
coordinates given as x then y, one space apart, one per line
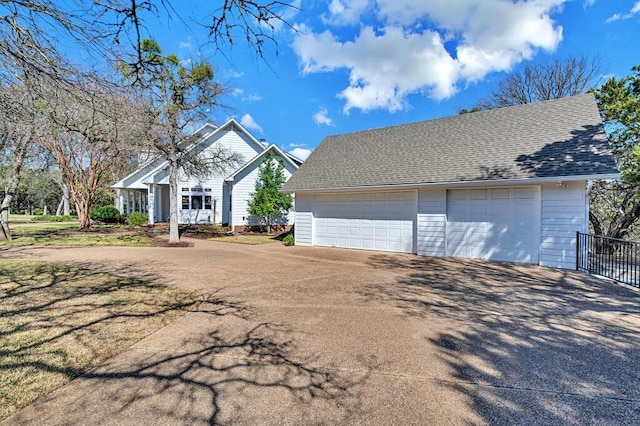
372 221
494 223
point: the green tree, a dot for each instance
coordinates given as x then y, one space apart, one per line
616 205
178 96
267 202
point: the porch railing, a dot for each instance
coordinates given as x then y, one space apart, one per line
609 257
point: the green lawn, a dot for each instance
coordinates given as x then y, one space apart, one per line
17 218
59 321
67 234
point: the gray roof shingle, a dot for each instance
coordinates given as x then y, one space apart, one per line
556 138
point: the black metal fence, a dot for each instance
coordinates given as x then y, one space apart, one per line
609 257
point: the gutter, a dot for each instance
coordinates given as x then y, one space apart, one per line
501 182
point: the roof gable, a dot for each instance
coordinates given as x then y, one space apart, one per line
205 135
557 138
253 161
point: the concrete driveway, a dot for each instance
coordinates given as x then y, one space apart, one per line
295 335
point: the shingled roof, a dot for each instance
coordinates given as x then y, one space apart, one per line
560 138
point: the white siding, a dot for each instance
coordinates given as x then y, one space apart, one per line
243 185
432 221
201 216
304 219
232 141
563 214
240 143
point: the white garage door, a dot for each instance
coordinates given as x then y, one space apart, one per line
496 224
372 221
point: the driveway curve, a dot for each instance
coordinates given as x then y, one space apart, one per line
300 335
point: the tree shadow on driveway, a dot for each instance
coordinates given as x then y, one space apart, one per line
526 344
219 363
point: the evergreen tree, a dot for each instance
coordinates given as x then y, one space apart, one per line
267 202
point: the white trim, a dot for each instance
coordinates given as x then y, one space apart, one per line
501 182
163 164
281 153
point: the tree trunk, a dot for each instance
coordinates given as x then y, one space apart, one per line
174 233
59 209
5 232
595 222
626 215
63 207
84 214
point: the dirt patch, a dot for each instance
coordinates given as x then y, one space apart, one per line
163 242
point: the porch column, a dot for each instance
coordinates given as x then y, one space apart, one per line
150 203
120 201
128 197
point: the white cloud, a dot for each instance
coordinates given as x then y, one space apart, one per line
252 98
248 122
346 12
239 93
407 53
322 117
621 17
301 153
589 3
286 13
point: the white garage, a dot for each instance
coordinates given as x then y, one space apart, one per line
494 223
508 184
368 220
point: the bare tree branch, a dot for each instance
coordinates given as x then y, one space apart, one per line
543 81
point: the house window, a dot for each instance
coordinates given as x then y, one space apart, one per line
196 202
194 199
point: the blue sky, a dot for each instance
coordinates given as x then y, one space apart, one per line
359 64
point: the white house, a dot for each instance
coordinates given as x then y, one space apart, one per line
219 198
509 184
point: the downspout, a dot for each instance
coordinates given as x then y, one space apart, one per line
230 205
586 202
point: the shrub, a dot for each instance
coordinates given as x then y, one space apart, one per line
38 211
52 218
288 240
107 214
137 219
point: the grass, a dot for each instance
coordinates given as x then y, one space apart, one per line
251 239
58 321
17 218
67 234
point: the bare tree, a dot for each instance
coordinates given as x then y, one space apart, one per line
255 21
88 131
536 82
16 135
31 31
177 97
